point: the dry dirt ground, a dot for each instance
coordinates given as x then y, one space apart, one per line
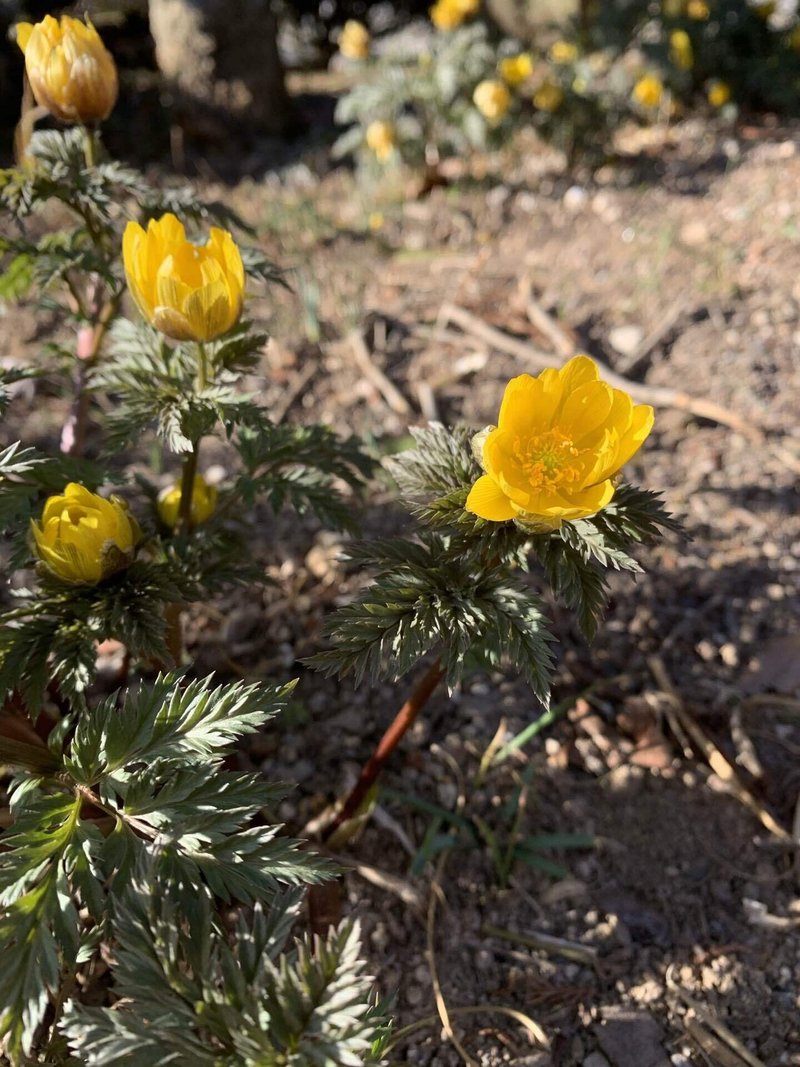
671 934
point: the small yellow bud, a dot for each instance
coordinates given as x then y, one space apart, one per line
492 99
563 52
648 91
698 10
515 70
84 538
70 70
680 49
449 14
189 292
718 93
380 139
548 97
204 501
354 40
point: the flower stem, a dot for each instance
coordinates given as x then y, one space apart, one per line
202 367
401 723
89 147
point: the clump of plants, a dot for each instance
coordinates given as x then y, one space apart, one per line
149 905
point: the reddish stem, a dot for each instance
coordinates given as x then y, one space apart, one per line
401 723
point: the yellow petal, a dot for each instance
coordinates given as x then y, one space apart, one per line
577 371
23 34
487 501
585 408
641 425
523 410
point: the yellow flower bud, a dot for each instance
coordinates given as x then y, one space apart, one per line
70 70
648 91
204 502
84 538
680 49
354 40
560 441
718 93
548 97
492 99
698 10
380 139
563 52
189 292
449 14
516 69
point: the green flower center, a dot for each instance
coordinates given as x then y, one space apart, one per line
548 460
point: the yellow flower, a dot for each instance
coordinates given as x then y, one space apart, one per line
680 49
698 10
673 9
189 292
70 70
354 40
83 538
560 440
648 91
718 93
516 69
492 99
380 138
204 501
563 52
548 96
449 14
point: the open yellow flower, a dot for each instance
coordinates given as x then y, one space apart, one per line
560 440
449 14
354 40
648 92
492 99
83 538
380 139
680 49
718 93
189 292
204 501
698 10
514 70
70 70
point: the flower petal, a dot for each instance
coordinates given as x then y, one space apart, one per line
487 501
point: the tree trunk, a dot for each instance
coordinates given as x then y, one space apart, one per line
222 56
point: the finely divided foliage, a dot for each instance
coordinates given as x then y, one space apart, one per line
138 787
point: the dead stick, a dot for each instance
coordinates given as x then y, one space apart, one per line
658 396
388 390
386 746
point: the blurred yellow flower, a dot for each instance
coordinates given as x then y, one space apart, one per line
492 99
560 440
516 69
698 10
189 292
204 501
354 40
83 538
718 93
548 97
648 92
673 9
380 138
70 70
563 52
449 14
375 221
680 49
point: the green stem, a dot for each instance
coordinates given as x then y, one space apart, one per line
89 147
202 367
